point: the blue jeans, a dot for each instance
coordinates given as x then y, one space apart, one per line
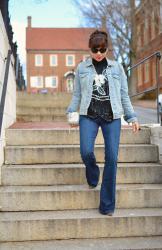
111 133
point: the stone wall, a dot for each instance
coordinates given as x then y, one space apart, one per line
9 115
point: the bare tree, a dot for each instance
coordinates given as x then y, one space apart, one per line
116 16
120 22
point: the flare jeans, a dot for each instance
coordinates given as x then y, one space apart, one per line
111 133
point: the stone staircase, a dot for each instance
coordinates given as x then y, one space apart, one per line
42 107
46 203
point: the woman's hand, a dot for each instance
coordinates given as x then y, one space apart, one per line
135 126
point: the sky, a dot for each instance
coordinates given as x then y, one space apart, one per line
45 13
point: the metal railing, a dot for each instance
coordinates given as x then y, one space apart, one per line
157 85
4 88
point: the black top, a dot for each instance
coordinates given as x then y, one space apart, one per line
100 103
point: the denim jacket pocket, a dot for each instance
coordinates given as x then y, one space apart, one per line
116 76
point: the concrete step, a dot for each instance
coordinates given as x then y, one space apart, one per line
71 154
68 174
78 224
133 243
65 197
68 136
43 100
41 111
41 118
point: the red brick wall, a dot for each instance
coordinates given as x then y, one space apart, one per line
146 50
47 70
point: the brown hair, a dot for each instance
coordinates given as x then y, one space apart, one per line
98 39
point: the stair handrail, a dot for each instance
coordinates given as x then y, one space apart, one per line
4 88
157 85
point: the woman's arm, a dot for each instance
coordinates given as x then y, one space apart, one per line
129 114
74 104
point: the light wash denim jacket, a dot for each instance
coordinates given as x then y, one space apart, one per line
118 90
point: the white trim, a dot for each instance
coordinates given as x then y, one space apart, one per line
37 64
68 73
56 60
73 56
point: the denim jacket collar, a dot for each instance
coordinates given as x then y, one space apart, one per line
89 62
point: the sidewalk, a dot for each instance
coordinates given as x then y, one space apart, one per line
145 103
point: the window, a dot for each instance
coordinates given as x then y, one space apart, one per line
146 71
160 17
153 72
38 60
51 81
85 57
153 25
160 64
146 31
139 70
70 60
36 81
70 84
53 60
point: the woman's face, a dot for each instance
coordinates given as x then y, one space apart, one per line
98 53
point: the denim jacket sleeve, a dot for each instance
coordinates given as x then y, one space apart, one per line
76 97
129 114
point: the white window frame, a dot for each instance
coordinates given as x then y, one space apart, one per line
49 85
51 61
67 63
38 64
36 80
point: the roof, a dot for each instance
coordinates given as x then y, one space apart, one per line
57 38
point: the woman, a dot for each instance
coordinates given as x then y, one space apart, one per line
101 92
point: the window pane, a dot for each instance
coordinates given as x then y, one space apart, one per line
70 84
53 60
139 70
36 81
38 60
70 60
51 81
146 67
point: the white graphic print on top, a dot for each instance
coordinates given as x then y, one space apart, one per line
100 86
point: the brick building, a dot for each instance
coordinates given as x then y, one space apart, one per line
149 40
52 56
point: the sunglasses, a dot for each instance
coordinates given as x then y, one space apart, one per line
95 50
